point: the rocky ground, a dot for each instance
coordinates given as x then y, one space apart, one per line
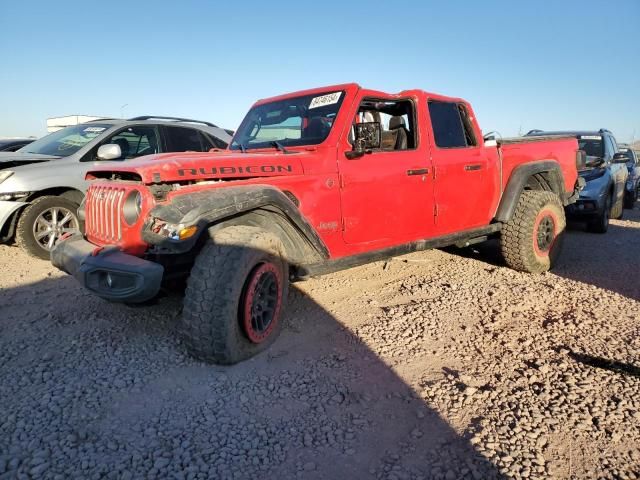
434 365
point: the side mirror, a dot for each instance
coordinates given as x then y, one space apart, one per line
620 158
109 151
367 137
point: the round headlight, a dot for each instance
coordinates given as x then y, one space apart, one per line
132 207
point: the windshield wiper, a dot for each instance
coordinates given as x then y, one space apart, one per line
241 145
280 147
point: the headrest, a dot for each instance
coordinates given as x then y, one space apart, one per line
396 122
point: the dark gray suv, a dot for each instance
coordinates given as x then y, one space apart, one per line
603 195
42 184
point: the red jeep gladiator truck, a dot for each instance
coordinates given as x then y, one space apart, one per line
313 182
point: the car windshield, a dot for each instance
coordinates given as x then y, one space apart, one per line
67 141
592 146
304 120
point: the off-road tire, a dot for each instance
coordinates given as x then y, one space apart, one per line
600 224
212 324
24 232
519 241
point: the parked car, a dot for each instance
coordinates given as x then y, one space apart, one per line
605 176
632 187
43 183
313 182
13 144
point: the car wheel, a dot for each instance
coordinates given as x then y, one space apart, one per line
43 222
235 295
600 224
531 241
619 210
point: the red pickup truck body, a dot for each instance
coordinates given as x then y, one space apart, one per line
357 205
331 178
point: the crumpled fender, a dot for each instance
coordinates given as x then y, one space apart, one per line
230 205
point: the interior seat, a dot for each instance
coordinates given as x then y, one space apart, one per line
396 124
318 127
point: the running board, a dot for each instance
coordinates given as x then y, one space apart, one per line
467 237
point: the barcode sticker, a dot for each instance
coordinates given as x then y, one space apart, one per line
325 100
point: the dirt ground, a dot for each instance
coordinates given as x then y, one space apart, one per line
441 364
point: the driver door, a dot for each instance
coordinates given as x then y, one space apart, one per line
387 193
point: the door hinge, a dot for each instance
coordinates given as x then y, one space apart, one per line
434 173
435 209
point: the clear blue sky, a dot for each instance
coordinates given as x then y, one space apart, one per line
534 64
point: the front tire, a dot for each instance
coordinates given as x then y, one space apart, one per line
43 222
531 241
235 296
600 224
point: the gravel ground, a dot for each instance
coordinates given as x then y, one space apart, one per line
441 364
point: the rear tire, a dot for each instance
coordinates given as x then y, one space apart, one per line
235 295
43 222
600 224
531 241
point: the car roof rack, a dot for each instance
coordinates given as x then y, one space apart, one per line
174 119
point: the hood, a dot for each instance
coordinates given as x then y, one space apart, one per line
17 159
175 167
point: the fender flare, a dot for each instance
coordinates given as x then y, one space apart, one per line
518 181
230 205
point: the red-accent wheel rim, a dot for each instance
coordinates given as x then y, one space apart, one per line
545 232
262 301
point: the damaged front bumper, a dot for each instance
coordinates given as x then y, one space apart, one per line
108 272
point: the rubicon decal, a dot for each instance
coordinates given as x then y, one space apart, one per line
231 170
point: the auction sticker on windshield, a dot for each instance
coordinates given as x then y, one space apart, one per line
590 137
94 129
325 100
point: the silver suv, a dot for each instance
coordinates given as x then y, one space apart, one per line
42 184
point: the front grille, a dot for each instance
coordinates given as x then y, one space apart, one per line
103 209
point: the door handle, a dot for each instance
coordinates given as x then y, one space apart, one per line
418 171
470 168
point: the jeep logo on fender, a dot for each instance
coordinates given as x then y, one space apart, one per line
235 170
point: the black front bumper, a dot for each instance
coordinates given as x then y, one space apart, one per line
109 273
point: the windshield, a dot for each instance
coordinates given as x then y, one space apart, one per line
305 120
592 145
67 141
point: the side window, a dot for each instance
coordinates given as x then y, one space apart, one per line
614 144
181 139
215 141
396 119
452 127
136 141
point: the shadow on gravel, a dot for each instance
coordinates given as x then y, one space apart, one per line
606 364
610 261
93 389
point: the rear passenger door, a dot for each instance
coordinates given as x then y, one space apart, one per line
466 173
